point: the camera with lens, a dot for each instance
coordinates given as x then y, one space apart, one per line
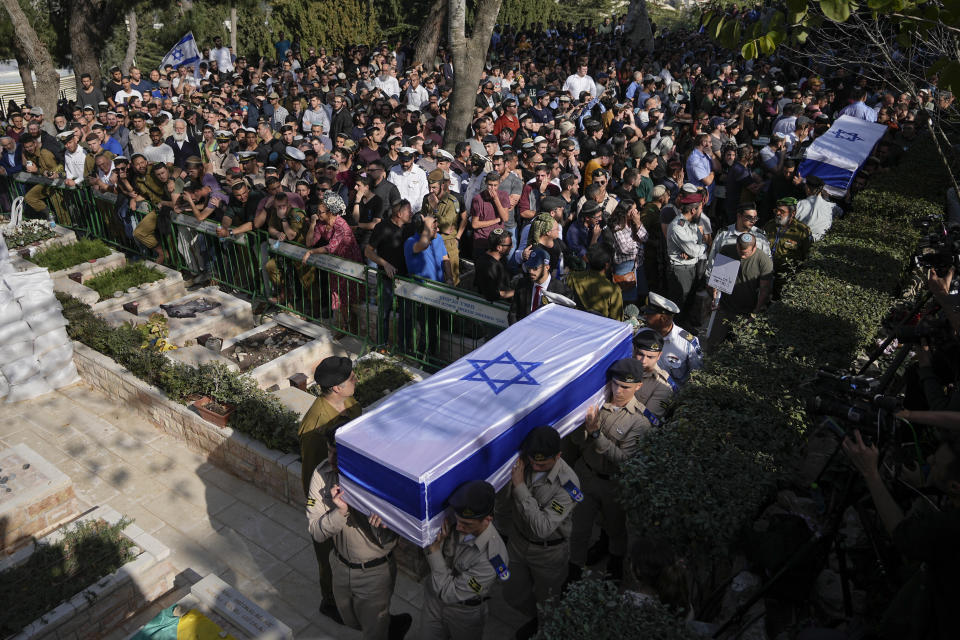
939 246
857 399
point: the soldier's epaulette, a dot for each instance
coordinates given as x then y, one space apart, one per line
686 335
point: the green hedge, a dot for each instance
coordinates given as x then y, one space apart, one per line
702 479
259 414
69 255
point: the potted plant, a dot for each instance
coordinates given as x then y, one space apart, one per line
213 405
212 411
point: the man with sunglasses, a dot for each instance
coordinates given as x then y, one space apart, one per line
746 222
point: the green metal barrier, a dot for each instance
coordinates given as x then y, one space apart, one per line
436 324
327 289
232 261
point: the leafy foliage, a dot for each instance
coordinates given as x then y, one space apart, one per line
259 413
375 379
122 278
88 551
69 255
28 232
329 23
739 422
592 609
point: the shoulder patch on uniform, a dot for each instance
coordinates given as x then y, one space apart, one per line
686 335
556 506
311 502
573 490
295 217
500 567
673 383
475 585
654 420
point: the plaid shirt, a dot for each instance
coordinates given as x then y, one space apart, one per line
628 244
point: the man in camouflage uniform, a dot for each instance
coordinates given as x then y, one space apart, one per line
789 238
450 221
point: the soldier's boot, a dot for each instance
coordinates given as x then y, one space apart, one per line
615 568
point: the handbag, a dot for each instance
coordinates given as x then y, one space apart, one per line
626 281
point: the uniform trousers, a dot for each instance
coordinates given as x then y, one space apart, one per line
442 621
363 596
536 573
599 496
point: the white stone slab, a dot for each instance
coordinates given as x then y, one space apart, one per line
295 400
195 355
255 621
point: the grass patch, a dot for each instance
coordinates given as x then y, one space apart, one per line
56 572
375 378
122 278
59 258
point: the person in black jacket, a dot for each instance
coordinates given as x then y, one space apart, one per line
532 289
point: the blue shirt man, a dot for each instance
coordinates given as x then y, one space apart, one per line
699 167
426 255
860 110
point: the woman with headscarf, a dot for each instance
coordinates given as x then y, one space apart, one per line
331 231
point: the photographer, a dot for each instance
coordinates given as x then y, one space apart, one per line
922 609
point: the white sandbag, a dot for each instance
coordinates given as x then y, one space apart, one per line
19 371
35 386
15 332
64 377
24 282
50 340
11 351
38 302
56 359
46 322
9 310
4 387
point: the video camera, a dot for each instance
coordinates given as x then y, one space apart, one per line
855 398
939 246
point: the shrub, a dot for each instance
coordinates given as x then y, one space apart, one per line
56 572
59 258
259 414
122 278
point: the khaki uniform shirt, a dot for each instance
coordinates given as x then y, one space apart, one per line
296 221
789 244
447 212
540 509
313 437
463 570
657 389
620 431
44 160
597 294
352 534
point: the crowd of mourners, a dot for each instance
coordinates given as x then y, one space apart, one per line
592 175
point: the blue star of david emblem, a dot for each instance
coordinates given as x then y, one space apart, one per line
522 376
178 54
850 136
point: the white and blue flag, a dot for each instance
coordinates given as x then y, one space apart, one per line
838 154
403 459
184 52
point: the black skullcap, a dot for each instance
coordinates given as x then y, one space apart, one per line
473 499
332 371
647 339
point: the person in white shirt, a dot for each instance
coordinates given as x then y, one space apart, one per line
410 180
158 150
127 92
579 82
316 114
222 55
416 93
815 211
387 81
74 158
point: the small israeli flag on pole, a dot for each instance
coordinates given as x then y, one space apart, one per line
184 52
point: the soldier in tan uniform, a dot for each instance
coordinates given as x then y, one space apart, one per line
39 162
464 565
542 494
450 221
363 567
609 436
658 387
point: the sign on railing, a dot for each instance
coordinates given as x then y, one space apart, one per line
453 301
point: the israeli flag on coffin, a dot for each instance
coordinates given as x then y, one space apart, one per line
184 52
404 459
838 154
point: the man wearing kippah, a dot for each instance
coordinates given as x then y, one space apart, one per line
610 434
751 290
335 406
466 560
538 503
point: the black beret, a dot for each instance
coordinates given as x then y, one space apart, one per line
473 499
647 339
332 371
542 443
626 370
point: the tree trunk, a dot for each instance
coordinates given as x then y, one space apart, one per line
469 55
86 38
429 38
26 77
48 80
233 28
131 55
636 26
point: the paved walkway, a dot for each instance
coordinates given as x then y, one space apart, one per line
212 521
